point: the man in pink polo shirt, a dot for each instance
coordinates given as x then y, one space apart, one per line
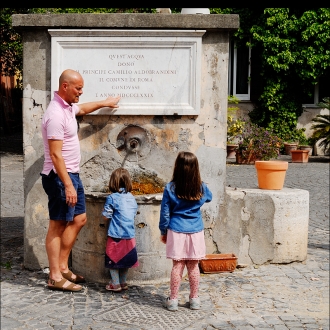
60 176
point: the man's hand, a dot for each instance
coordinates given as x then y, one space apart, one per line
71 196
86 108
112 102
163 238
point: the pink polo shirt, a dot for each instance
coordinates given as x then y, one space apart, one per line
59 123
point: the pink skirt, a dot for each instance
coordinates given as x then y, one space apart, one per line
181 246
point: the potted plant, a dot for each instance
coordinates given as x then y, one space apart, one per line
257 143
234 127
299 156
294 139
321 127
290 145
306 144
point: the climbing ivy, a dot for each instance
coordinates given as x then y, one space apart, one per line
294 46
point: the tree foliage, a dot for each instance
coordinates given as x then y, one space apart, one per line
11 48
294 46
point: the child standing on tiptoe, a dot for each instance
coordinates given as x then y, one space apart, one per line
182 227
120 208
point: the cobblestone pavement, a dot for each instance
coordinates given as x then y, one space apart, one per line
286 296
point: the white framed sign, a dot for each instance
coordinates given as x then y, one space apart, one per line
156 72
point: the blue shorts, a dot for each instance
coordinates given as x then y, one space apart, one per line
57 206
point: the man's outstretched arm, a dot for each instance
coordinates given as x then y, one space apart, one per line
110 102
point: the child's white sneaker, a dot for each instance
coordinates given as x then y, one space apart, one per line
195 303
171 304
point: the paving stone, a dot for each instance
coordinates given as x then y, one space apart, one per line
288 318
311 326
218 324
280 327
273 321
322 327
292 325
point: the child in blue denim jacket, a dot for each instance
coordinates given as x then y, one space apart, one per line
181 226
120 208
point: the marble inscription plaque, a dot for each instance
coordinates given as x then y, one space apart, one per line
156 72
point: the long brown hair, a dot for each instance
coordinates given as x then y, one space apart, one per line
120 178
186 176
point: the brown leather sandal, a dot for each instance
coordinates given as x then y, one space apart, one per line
69 277
59 285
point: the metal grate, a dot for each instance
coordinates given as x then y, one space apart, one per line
156 316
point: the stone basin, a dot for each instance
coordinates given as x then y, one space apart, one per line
89 249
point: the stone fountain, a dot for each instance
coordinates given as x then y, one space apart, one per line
172 73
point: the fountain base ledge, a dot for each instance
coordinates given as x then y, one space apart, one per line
259 227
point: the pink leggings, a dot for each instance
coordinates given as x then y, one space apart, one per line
176 277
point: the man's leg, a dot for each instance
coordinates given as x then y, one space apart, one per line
53 247
68 239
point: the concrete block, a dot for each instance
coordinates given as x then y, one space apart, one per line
265 226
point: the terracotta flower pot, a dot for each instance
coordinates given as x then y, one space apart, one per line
271 174
299 156
231 153
219 263
290 146
241 160
309 148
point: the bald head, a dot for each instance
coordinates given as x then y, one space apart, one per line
69 76
71 84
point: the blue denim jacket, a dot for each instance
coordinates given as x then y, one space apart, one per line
120 209
181 215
